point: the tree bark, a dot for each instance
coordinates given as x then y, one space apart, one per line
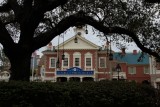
20 68
20 60
152 1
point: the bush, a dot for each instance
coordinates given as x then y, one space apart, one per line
74 94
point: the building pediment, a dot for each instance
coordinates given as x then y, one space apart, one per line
81 44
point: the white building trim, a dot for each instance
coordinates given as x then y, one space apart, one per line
77 55
88 55
66 56
50 59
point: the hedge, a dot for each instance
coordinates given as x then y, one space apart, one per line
78 94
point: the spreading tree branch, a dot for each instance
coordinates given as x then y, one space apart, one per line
47 5
152 1
33 13
15 6
27 4
5 7
5 38
63 25
48 20
9 22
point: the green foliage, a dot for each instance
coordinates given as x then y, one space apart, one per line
85 94
137 16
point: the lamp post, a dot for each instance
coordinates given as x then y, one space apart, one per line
63 56
110 56
118 69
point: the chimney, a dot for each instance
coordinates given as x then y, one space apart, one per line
134 52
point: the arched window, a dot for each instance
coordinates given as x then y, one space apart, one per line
77 59
88 61
65 62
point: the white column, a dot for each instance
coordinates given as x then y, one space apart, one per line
94 78
55 75
55 79
32 67
67 79
81 79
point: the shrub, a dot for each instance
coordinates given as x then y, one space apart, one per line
74 94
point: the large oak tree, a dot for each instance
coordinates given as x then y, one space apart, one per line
152 1
36 22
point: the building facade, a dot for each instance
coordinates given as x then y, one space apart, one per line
78 59
155 72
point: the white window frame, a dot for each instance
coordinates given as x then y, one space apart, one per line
144 70
67 62
86 62
65 67
133 70
77 55
100 62
88 55
50 62
75 62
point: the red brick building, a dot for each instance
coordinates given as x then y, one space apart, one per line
84 60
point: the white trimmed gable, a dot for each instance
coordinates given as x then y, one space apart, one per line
82 44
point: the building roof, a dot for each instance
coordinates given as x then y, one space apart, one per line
83 43
131 58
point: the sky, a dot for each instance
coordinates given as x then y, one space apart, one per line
1 1
91 37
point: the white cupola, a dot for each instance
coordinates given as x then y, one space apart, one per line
80 30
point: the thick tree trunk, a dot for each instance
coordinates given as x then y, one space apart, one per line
20 59
20 68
